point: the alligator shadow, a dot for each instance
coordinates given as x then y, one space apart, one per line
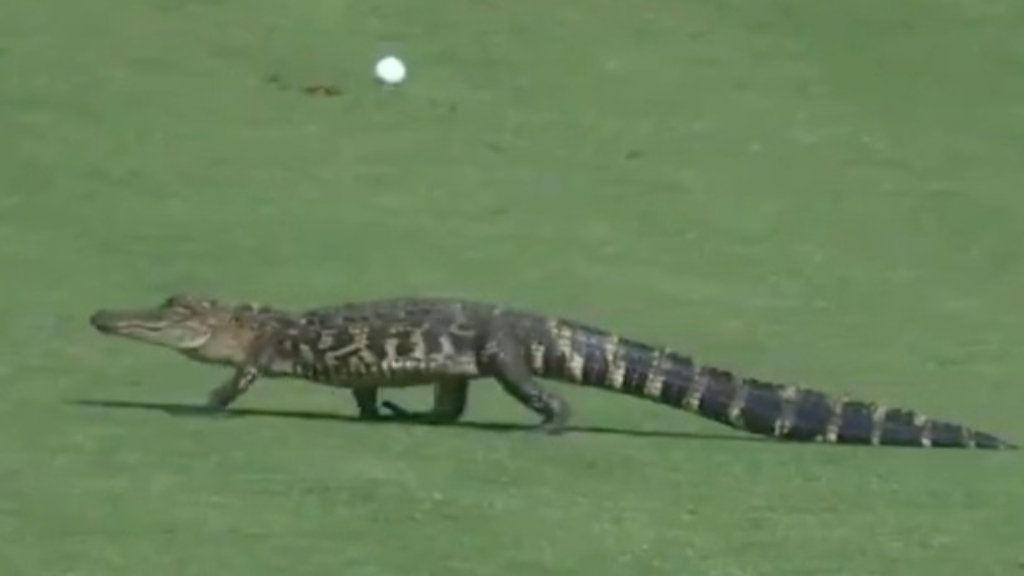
175 409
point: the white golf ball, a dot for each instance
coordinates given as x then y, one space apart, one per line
390 70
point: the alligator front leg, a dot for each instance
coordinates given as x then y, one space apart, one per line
260 356
234 387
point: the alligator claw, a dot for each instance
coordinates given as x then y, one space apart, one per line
395 409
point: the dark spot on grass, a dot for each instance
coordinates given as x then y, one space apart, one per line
322 90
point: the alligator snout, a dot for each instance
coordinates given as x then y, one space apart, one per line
102 321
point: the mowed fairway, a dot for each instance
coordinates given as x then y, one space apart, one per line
813 192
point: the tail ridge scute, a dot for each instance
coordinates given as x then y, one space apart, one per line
782 411
799 414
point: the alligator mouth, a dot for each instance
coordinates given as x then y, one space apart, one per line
152 326
114 322
104 321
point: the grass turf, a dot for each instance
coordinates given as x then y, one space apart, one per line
813 192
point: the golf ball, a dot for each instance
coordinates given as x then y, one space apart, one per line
390 70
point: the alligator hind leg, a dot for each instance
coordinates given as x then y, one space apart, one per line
366 402
507 362
450 397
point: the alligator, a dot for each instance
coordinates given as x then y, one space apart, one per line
447 343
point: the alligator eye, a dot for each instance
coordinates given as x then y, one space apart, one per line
176 301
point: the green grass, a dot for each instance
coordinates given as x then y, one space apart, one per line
818 192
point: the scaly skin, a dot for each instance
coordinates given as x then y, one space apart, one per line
447 343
